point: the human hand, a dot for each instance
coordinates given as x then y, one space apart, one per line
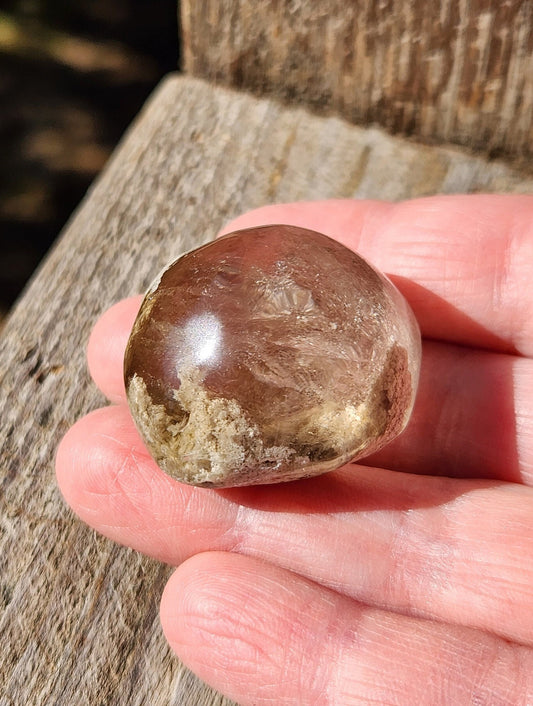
407 579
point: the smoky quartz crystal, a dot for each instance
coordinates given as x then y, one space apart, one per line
271 354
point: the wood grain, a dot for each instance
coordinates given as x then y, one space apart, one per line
459 71
79 615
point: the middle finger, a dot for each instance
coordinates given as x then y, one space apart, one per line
450 549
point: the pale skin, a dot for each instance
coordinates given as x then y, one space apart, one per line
406 579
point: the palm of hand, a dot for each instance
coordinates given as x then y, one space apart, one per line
375 583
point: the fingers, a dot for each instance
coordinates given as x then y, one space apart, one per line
471 416
465 263
262 635
107 343
452 550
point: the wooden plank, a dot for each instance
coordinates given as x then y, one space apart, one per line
451 70
78 615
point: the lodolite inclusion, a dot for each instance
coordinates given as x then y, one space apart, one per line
271 354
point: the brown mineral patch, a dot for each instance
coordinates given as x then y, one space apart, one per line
391 395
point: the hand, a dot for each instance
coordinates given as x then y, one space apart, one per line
406 580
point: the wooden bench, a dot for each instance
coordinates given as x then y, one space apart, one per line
78 614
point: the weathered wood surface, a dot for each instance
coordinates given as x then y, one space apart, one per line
79 615
448 70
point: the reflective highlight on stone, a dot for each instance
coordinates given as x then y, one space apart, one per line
271 354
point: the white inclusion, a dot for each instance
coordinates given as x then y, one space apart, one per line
202 339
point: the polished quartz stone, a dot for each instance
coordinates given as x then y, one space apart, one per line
271 354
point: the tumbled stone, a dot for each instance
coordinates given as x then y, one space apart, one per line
271 354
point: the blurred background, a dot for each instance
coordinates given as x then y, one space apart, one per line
72 77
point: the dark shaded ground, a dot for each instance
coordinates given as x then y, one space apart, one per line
72 77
